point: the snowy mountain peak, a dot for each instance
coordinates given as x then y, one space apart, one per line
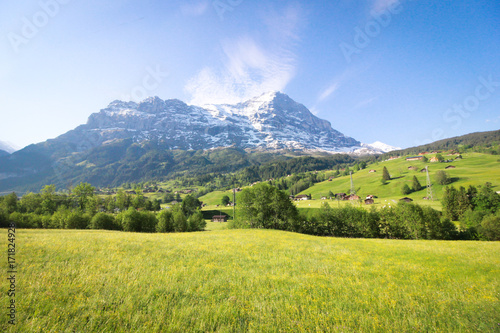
270 121
382 146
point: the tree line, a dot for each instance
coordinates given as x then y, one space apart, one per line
265 206
82 209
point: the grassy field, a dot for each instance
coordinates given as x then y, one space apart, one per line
474 169
250 280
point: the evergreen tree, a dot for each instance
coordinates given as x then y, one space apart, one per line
416 184
463 201
450 203
385 174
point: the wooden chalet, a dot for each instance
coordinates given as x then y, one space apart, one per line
406 199
369 201
450 167
340 196
415 158
219 218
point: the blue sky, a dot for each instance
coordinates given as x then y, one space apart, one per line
401 72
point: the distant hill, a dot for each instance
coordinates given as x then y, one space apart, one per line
487 142
474 169
3 153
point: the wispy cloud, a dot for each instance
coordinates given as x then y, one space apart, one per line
251 65
195 8
328 91
365 103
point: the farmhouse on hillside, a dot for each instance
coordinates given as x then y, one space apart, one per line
415 158
406 199
369 202
340 196
434 159
450 167
302 197
372 170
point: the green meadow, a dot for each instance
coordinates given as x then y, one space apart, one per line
250 281
474 169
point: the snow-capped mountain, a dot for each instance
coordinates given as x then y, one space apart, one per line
270 121
382 146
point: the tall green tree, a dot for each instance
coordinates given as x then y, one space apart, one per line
225 200
9 203
190 205
83 192
122 200
449 203
264 206
416 184
385 174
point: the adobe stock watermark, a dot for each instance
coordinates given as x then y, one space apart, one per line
151 81
458 112
363 36
222 6
31 26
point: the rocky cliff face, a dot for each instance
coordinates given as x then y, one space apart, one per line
270 121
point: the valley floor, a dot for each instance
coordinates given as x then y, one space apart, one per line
250 280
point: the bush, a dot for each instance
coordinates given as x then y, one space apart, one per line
196 222
77 220
165 221
490 228
4 219
179 220
131 220
148 222
442 178
405 190
103 221
21 220
470 223
135 221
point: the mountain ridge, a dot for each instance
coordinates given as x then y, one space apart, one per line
272 120
128 141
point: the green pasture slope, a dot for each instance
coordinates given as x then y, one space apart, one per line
474 169
249 281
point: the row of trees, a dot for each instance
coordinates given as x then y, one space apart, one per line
81 209
81 197
264 206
